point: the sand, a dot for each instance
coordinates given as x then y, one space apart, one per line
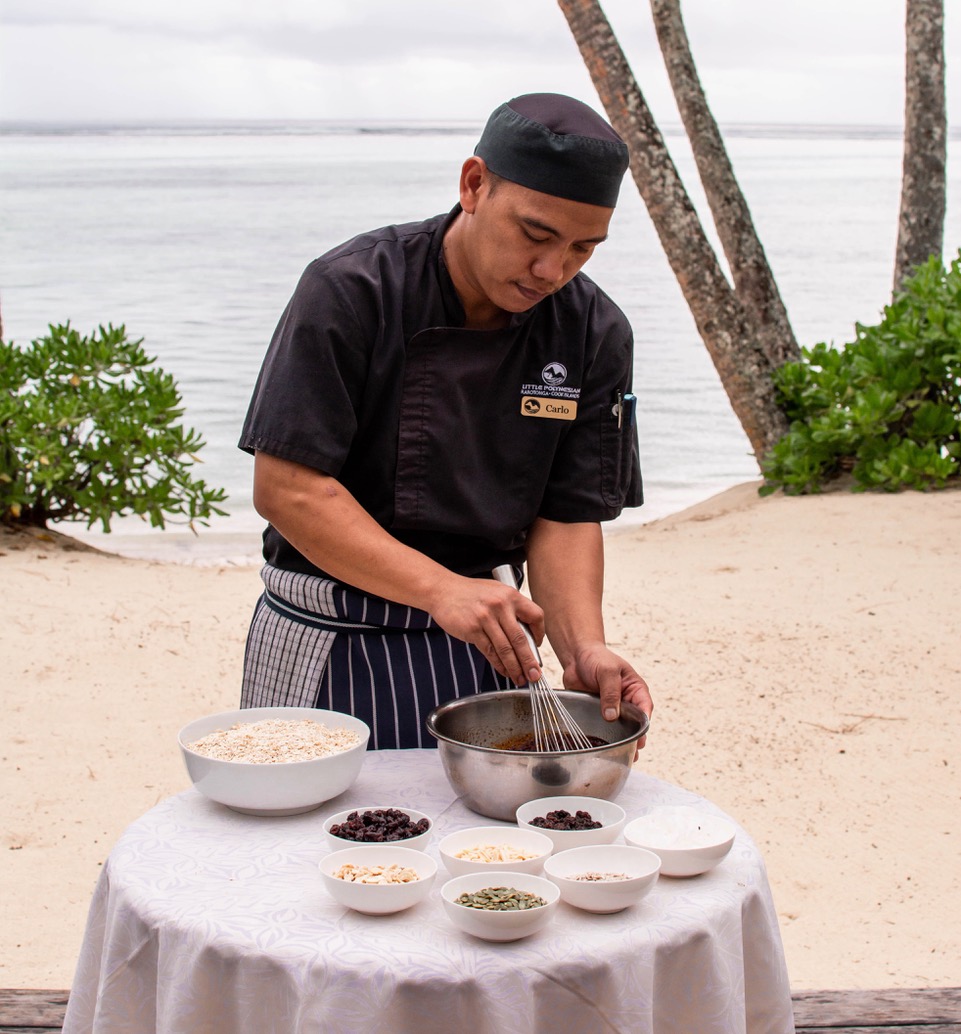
804 656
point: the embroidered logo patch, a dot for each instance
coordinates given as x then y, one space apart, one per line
554 374
552 398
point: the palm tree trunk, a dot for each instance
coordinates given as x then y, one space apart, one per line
732 341
754 283
923 186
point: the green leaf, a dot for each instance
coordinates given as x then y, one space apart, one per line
88 432
886 405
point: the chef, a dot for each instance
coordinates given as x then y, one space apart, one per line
438 399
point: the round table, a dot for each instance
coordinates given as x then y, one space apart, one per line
212 922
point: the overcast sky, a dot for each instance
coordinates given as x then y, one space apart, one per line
819 61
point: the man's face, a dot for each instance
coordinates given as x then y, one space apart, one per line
520 245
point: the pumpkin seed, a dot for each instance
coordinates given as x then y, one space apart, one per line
500 899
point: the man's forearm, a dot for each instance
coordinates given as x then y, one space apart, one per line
565 567
321 519
324 522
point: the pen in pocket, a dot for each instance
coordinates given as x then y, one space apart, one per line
626 409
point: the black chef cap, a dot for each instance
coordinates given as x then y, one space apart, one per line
557 145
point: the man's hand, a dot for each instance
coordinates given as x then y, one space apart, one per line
487 614
596 669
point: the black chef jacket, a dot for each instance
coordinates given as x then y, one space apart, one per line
453 440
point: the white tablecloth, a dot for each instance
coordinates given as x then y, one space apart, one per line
205 920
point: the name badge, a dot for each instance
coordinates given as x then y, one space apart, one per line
549 408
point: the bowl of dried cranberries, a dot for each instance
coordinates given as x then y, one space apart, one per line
378 824
573 821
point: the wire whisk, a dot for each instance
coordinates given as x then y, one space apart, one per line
555 728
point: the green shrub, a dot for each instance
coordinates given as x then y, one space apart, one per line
88 432
887 406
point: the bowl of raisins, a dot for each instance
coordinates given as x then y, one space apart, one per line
573 821
378 824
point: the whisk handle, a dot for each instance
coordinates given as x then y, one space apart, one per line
505 573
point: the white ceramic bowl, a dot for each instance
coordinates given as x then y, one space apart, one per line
611 816
417 843
687 840
528 841
378 898
496 925
640 866
283 788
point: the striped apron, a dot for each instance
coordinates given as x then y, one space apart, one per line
316 643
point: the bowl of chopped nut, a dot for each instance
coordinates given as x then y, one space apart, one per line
573 821
378 879
494 849
274 760
603 877
378 824
500 906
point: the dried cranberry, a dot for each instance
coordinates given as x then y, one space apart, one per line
564 820
379 826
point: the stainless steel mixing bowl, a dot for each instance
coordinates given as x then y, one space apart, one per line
494 781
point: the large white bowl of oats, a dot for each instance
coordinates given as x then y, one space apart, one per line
274 760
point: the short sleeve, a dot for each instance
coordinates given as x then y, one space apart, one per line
305 401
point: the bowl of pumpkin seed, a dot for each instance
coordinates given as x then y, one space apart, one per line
500 906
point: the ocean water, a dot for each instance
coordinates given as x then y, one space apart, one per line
194 235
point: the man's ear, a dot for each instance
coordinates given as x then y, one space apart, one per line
473 180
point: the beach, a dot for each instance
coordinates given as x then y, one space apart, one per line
802 653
